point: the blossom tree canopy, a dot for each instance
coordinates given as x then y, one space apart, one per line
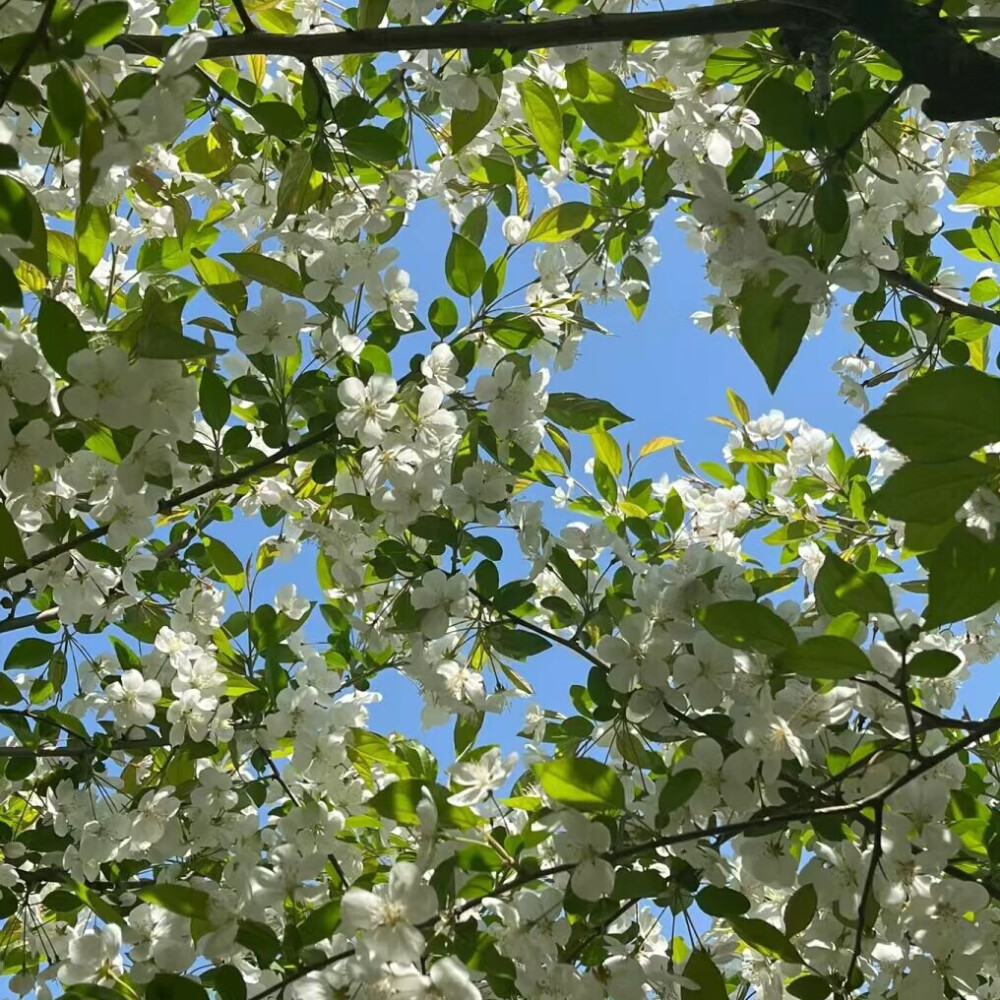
213 361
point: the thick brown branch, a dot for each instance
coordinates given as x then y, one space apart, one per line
747 15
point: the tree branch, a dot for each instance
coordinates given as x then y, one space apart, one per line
24 57
942 299
866 892
245 19
964 81
82 751
746 15
165 506
759 822
24 621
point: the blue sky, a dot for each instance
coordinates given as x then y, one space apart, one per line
670 376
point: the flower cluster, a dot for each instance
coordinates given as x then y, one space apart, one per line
261 484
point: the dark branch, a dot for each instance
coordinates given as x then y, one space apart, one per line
947 302
26 621
38 37
240 475
245 19
499 34
964 81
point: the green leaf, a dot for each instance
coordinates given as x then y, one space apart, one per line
227 981
983 187
237 684
800 909
91 146
828 657
581 782
607 450
16 214
66 102
765 938
10 694
541 112
942 415
176 898
718 901
321 924
26 654
785 112
466 125
933 663
376 145
267 271
443 316
516 642
809 987
93 991
279 119
169 986
181 12
226 563
221 282
106 910
97 25
11 546
705 974
260 939
963 577
677 790
631 884
930 492
467 724
61 901
747 625
771 326
886 336
214 400
371 12
157 330
398 801
293 184
10 287
580 413
91 231
830 206
464 265
841 586
603 102
562 222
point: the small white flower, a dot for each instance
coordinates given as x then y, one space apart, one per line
133 699
480 778
389 914
368 409
273 327
515 230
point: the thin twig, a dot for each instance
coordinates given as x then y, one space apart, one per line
25 621
866 893
943 299
37 36
165 506
248 26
